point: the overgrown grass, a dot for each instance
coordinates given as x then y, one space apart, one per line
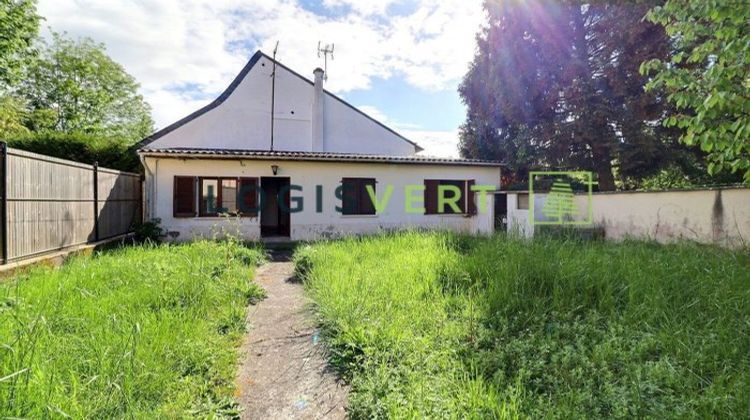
439 325
139 332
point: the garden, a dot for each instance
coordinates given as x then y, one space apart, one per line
444 326
144 331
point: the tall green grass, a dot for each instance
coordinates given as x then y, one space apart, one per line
449 326
138 332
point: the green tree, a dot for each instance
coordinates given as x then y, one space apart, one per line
12 116
708 77
79 88
19 26
562 77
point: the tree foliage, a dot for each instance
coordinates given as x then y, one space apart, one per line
557 84
19 26
708 77
76 87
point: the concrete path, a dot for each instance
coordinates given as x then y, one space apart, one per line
283 371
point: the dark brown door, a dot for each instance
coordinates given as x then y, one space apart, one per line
274 214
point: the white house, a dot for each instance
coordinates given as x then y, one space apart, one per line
304 171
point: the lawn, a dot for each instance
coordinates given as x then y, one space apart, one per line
438 325
142 332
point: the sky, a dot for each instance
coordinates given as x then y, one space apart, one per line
400 61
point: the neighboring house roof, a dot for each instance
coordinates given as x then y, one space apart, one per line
182 152
232 86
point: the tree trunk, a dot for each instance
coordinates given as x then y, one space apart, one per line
603 166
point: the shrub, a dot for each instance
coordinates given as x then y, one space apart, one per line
108 152
149 231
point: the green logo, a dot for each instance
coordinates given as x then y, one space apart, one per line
560 205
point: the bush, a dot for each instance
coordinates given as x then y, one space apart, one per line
108 152
149 231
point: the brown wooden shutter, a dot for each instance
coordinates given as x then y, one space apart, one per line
184 196
471 198
430 196
247 197
349 196
366 206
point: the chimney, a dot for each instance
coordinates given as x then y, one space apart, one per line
318 112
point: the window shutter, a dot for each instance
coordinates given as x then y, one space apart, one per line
471 197
366 206
184 196
247 197
349 196
430 196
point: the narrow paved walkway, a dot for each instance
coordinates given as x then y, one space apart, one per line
283 371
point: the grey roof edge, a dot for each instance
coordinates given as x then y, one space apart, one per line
216 102
232 86
192 153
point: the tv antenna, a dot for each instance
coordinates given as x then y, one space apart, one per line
327 49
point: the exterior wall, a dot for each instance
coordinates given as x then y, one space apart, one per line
243 120
719 216
308 224
518 219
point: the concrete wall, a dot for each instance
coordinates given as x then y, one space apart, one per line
309 224
243 120
518 219
720 216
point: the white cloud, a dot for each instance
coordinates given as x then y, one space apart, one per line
202 44
435 143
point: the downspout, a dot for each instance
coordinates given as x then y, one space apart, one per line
150 176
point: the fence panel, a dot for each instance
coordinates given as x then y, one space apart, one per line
51 204
119 202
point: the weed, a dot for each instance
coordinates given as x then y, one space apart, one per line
440 325
142 332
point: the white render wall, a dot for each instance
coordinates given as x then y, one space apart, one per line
720 216
518 219
310 225
243 120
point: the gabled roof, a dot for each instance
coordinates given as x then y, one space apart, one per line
186 152
232 86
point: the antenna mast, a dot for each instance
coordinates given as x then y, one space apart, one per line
327 49
273 91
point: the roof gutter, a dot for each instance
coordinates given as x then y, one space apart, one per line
224 156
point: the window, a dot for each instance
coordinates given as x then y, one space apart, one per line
354 198
216 196
228 203
184 196
432 193
209 197
522 201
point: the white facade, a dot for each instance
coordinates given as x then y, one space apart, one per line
310 224
240 119
318 139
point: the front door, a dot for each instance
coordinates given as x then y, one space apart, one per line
274 212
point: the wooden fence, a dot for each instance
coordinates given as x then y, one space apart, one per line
49 204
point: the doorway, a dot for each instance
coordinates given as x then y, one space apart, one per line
501 212
274 214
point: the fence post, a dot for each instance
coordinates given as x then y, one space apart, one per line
96 201
4 199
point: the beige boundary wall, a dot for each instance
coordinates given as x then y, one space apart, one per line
716 215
